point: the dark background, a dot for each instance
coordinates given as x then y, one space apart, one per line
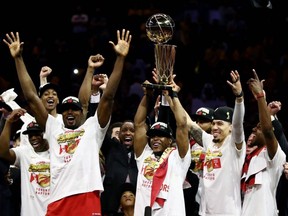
46 29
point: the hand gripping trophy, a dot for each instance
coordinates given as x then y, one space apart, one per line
159 29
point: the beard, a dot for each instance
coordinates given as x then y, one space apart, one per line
216 140
158 154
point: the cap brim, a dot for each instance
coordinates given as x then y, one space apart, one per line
32 131
68 106
195 117
48 86
155 132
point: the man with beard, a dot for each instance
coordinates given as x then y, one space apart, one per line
120 166
33 162
224 150
264 166
75 170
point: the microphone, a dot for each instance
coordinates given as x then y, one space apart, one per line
147 211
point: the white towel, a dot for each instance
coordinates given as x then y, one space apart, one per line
8 97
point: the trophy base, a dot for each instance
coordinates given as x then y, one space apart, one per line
157 86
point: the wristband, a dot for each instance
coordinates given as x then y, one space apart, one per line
95 98
240 95
175 94
260 95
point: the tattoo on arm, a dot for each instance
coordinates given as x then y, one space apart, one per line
196 133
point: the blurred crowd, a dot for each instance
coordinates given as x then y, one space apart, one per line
212 38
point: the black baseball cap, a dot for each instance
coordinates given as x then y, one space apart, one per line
70 102
47 86
160 129
33 127
204 113
224 113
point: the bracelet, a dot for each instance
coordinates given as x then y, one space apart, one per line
95 93
240 95
174 94
260 95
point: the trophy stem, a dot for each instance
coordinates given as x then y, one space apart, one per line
164 61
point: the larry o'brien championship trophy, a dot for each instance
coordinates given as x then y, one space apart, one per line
159 29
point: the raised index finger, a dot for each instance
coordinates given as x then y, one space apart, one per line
255 74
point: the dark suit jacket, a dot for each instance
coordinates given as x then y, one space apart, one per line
282 188
117 166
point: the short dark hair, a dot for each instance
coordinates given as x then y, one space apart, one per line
113 125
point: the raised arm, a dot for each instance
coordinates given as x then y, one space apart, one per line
140 138
94 61
44 73
182 140
274 107
98 85
270 140
29 90
194 130
5 151
239 110
121 49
